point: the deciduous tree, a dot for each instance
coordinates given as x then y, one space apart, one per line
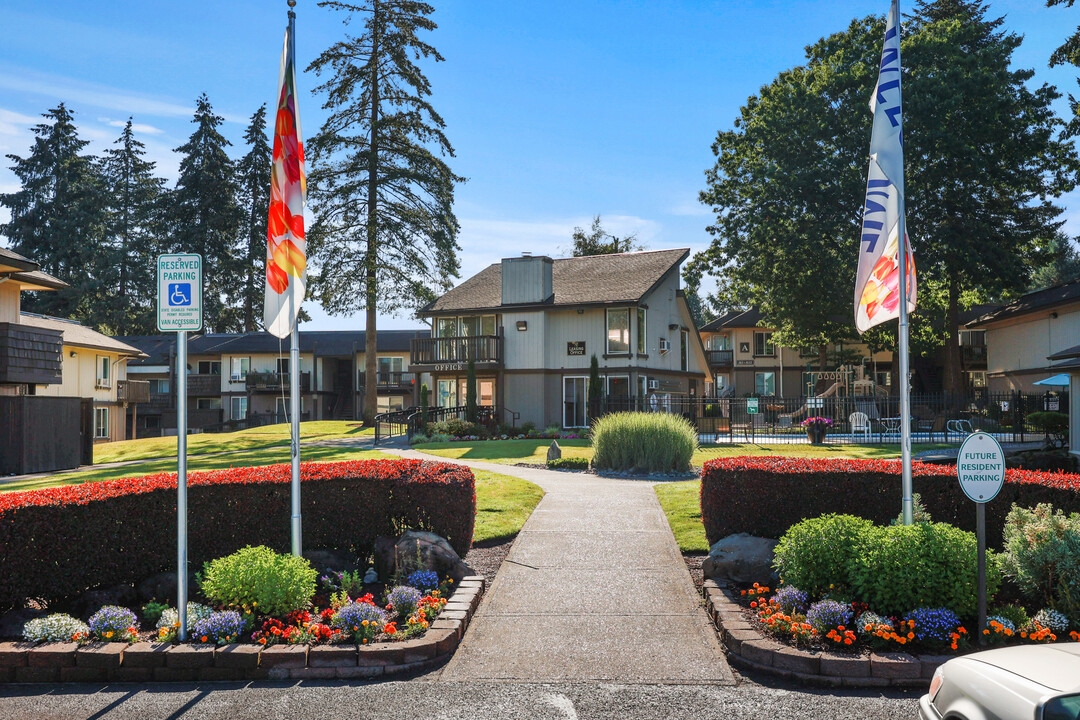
600 242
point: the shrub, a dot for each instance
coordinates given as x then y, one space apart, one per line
568 463
419 438
403 600
553 431
44 533
219 628
257 579
817 554
643 442
828 615
1015 615
1055 424
792 601
57 627
1042 552
423 580
113 623
766 496
455 427
528 427
899 568
151 612
918 512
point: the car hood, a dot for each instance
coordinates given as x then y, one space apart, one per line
1054 666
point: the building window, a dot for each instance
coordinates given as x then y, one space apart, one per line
159 386
763 344
618 386
101 423
977 379
282 407
104 367
684 350
883 377
641 336
973 337
238 368
209 367
485 393
720 342
575 398
388 365
238 407
210 403
283 366
765 383
473 325
618 334
390 403
446 327
447 393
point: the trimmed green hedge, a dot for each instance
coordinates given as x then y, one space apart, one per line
568 463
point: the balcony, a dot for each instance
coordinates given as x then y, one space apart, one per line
133 391
388 381
720 358
275 382
203 385
30 355
973 356
453 353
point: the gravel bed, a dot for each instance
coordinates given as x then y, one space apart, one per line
485 558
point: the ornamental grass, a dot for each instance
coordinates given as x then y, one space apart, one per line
643 442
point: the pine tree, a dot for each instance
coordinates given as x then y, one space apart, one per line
385 234
254 172
206 219
134 233
58 220
596 388
471 412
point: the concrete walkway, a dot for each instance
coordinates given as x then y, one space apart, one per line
594 589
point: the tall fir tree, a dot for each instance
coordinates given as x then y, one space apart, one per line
254 177
134 233
385 234
205 217
58 220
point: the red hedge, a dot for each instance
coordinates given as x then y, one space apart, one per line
57 542
765 496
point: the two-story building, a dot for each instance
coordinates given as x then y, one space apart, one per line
532 324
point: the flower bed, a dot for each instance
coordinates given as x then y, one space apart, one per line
56 543
766 496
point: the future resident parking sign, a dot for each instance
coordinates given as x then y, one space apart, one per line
179 292
980 467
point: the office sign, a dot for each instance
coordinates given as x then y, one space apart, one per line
179 301
575 347
980 467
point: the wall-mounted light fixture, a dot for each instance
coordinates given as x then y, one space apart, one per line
522 324
72 353
1053 314
581 311
673 326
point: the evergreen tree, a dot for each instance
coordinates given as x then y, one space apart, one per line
1063 265
58 220
600 242
254 172
596 388
134 233
385 234
206 219
471 413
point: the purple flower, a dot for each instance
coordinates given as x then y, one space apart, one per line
933 625
828 614
791 599
352 615
218 628
404 599
113 623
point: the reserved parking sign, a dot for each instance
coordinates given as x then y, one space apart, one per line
179 292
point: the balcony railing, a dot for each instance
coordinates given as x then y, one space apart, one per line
203 385
390 380
30 354
452 351
272 381
132 391
973 355
720 358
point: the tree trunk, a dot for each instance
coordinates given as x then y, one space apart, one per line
371 392
823 357
953 379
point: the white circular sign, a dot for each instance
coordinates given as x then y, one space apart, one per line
980 467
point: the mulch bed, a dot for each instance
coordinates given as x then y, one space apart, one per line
693 564
485 558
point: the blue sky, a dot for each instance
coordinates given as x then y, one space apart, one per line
557 110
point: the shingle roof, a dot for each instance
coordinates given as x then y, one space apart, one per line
324 343
26 272
590 280
1032 302
79 335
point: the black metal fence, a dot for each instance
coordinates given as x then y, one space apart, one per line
410 420
935 418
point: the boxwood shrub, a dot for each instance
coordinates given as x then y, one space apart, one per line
569 463
55 543
818 554
766 496
643 442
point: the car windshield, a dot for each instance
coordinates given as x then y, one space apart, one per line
1066 707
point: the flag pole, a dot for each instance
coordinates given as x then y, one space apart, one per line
294 363
906 503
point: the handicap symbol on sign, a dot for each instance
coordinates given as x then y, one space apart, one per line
179 294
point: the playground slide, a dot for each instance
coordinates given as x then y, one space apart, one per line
828 393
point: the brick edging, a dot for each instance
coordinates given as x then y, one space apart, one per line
24 662
747 647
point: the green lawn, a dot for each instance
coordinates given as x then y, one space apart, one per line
205 443
503 504
682 505
535 451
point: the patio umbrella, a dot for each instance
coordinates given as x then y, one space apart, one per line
1060 380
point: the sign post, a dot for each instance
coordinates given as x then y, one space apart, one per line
980 467
179 306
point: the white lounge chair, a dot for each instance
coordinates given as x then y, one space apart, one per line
860 423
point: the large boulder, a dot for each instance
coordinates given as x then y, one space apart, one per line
741 558
162 587
418 550
11 622
94 600
554 451
326 559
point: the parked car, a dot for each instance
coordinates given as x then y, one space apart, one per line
1026 682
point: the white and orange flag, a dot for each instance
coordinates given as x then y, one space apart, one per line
286 250
877 284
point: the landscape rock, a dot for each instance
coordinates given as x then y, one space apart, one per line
11 622
326 559
94 600
162 588
741 558
419 550
554 451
